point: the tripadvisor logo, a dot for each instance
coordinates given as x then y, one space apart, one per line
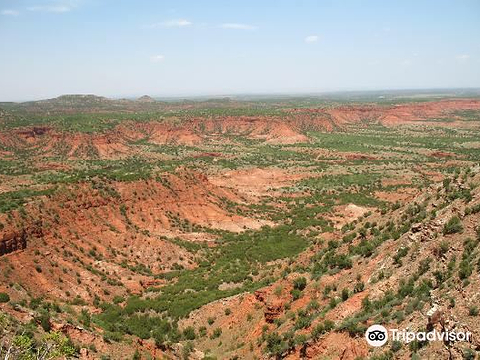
377 335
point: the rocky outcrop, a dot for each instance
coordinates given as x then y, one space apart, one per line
273 312
12 241
15 239
435 316
273 307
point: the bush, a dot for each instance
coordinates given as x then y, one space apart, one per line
216 333
453 226
359 287
187 350
396 345
402 252
465 270
118 299
332 303
443 248
4 297
468 354
296 294
85 318
446 183
473 311
300 283
136 355
328 325
424 266
52 345
349 237
300 339
366 304
353 327
303 321
45 322
202 331
275 345
189 333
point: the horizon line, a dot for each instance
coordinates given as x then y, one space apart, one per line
194 95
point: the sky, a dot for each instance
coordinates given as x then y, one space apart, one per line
120 48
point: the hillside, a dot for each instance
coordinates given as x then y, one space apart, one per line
238 229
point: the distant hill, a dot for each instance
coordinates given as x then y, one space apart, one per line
76 99
67 103
70 101
146 99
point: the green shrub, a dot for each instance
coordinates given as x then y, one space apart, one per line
136 355
85 318
296 294
332 303
443 248
328 325
275 345
473 311
465 269
366 304
45 322
300 283
187 350
352 326
446 183
454 225
216 333
359 287
402 252
4 297
202 331
396 345
349 237
468 354
189 333
118 299
302 321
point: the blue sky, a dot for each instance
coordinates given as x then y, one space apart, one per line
179 48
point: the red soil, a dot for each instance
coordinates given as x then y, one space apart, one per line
90 219
275 130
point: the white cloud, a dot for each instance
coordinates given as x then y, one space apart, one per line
9 12
61 6
170 24
237 26
53 9
157 58
462 57
406 62
311 38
